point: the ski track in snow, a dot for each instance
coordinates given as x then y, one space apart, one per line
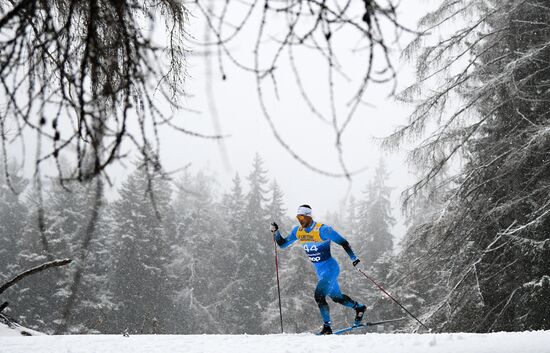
501 342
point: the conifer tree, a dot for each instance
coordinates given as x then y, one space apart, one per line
234 206
491 110
275 207
88 296
376 219
204 263
418 292
66 214
255 254
142 253
13 214
352 219
256 199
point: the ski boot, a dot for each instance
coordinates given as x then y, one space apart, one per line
359 312
326 330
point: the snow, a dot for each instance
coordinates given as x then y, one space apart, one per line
15 330
501 342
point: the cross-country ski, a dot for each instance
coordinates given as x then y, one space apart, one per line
365 326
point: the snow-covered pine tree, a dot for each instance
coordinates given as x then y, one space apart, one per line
88 296
375 218
96 290
254 253
41 300
275 208
491 108
142 249
346 221
204 263
234 205
32 300
419 288
233 210
352 220
276 213
372 240
13 214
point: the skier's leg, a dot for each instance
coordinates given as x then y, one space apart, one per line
335 293
337 296
320 298
345 300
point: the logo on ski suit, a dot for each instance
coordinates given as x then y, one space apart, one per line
317 249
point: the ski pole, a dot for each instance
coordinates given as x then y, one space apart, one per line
392 298
278 286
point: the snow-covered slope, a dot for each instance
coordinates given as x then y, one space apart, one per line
518 342
16 330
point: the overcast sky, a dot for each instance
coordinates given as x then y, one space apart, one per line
240 117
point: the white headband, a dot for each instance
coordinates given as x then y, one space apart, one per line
304 211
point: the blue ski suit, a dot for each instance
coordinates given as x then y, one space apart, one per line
315 240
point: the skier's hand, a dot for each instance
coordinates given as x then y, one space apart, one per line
274 227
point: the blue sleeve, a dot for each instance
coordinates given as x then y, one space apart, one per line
328 233
285 242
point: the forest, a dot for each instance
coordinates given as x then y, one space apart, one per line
197 260
186 255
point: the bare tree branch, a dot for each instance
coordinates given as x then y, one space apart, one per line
55 263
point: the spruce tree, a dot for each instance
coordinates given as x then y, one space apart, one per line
204 263
418 290
141 255
376 218
489 239
275 207
66 214
88 297
234 206
254 253
352 219
13 213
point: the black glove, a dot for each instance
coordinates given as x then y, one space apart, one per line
274 227
356 262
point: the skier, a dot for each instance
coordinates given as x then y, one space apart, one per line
315 238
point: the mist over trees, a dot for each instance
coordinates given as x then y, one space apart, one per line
195 259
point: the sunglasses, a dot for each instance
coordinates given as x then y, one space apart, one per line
301 217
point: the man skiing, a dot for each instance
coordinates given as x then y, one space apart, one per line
315 238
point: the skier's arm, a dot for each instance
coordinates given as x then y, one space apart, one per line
333 235
285 242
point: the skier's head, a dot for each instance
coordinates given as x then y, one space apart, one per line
304 215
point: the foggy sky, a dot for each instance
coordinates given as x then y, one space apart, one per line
240 117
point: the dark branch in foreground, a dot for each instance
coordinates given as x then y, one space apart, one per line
55 263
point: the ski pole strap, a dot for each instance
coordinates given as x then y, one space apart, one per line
392 298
